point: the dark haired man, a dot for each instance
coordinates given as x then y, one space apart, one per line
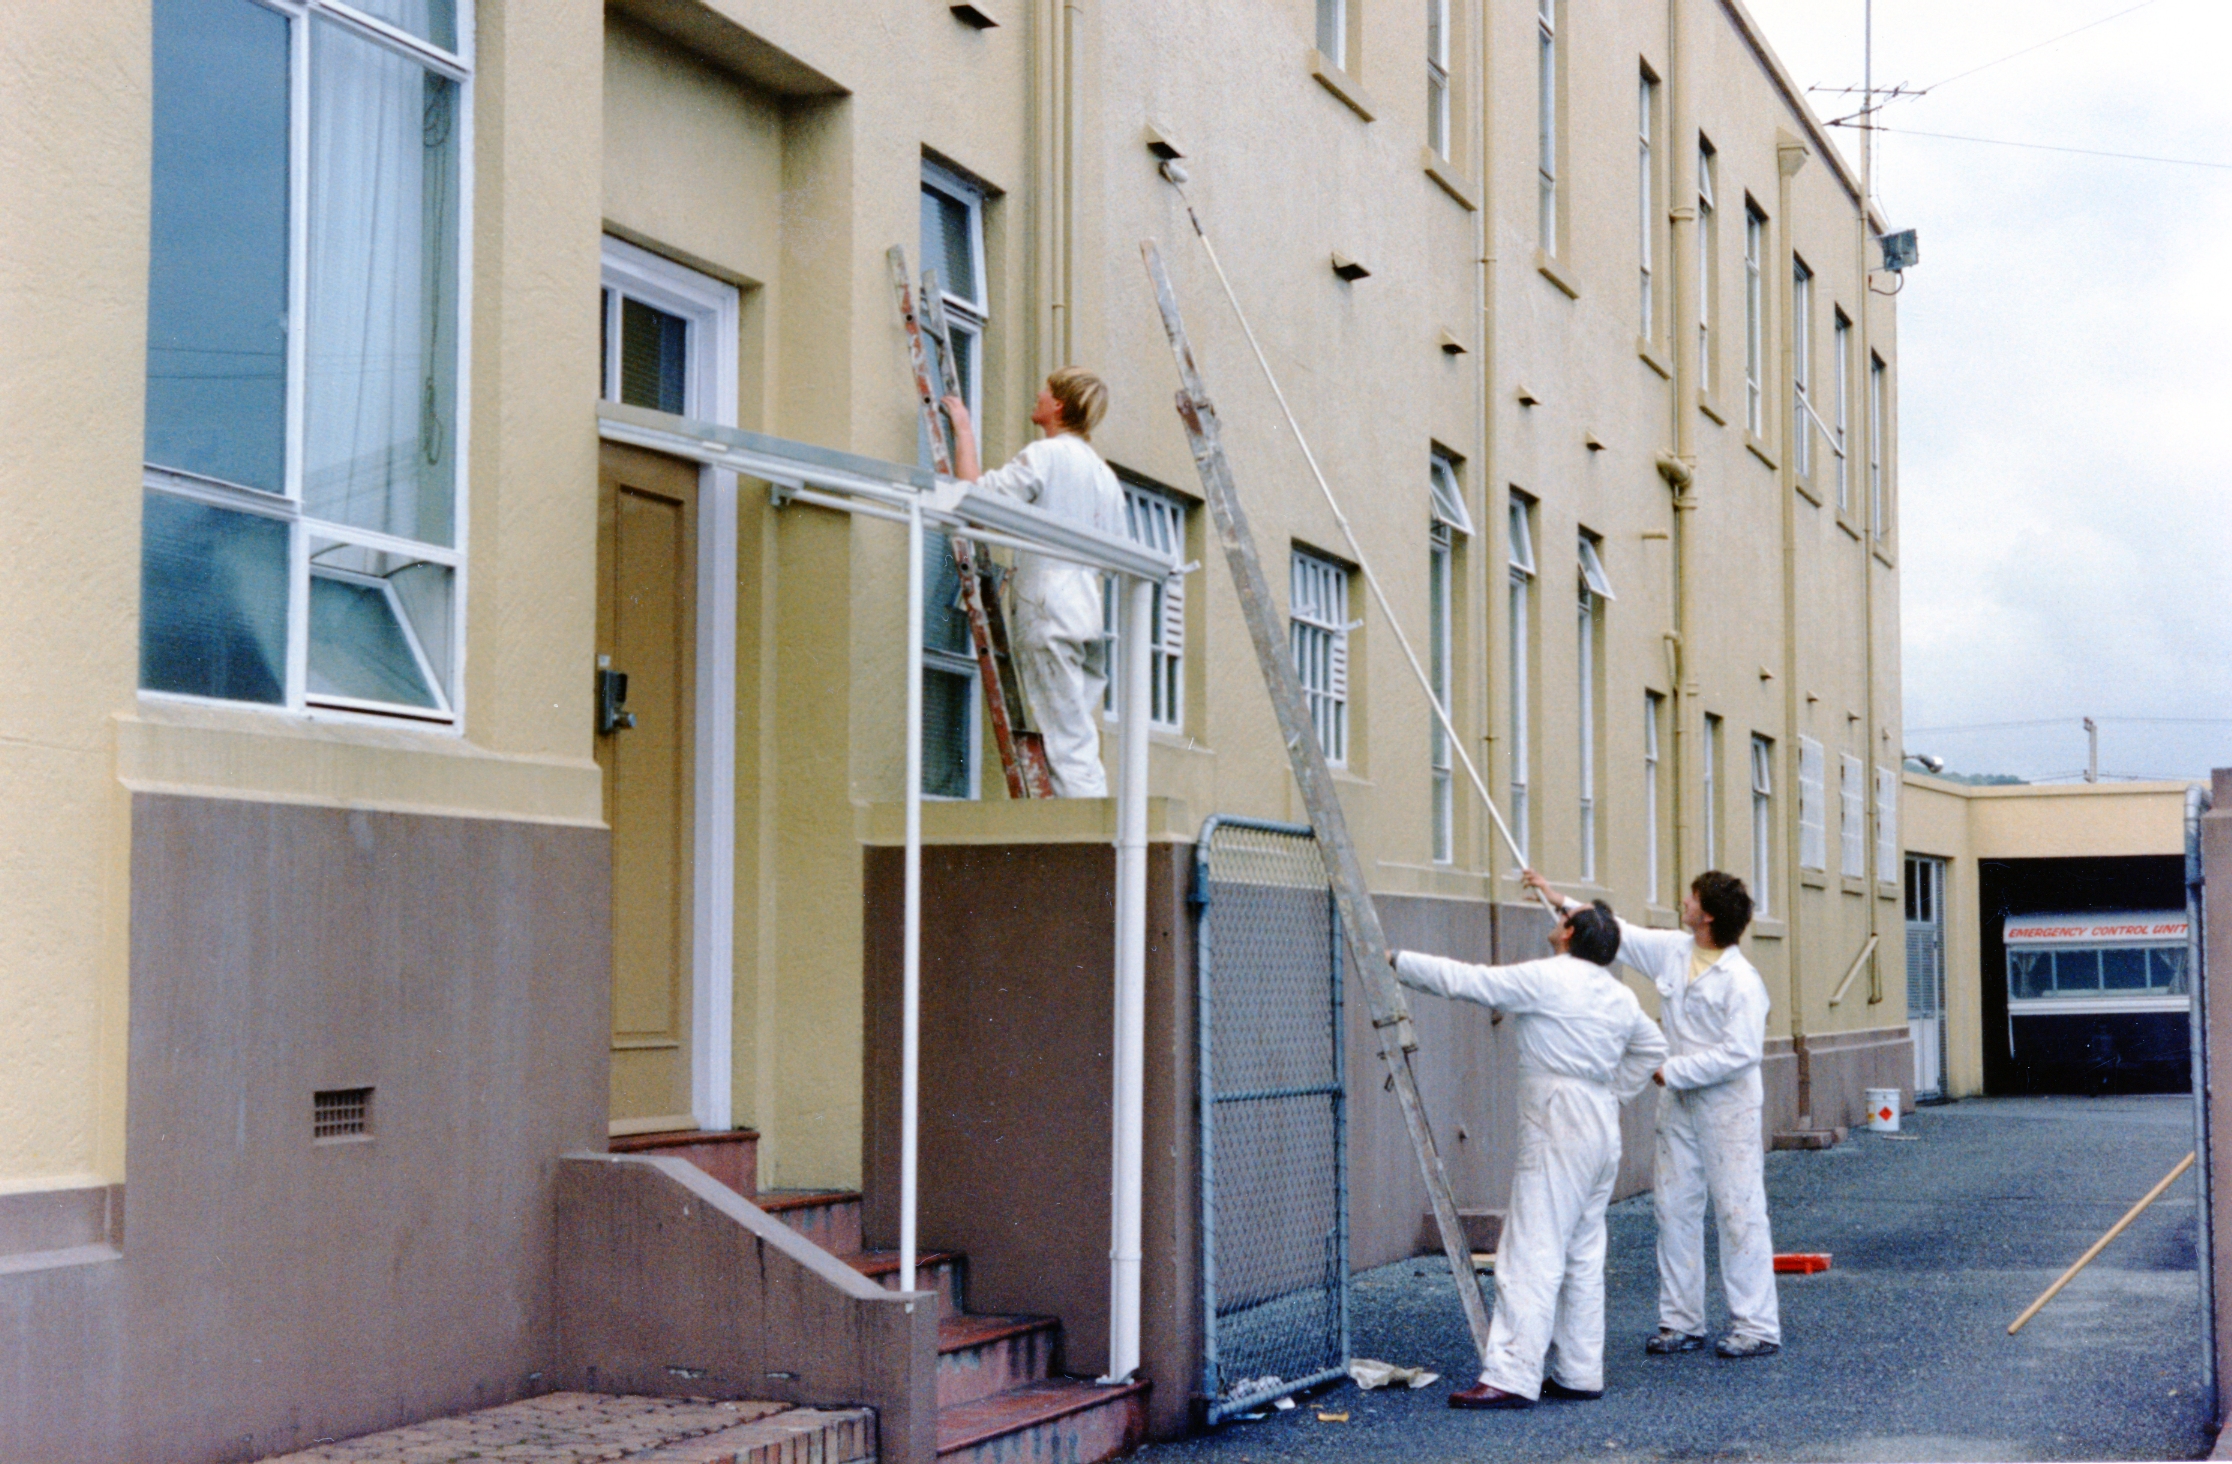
1714 1008
1584 1045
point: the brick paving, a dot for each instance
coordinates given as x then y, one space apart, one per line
587 1428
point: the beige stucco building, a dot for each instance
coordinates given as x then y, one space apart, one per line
337 914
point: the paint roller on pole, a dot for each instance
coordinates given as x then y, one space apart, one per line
1176 178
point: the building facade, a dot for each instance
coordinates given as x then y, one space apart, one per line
346 895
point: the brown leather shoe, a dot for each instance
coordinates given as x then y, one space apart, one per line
1481 1395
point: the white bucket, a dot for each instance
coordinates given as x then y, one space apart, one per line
1883 1110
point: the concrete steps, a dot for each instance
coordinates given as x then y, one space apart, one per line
999 1399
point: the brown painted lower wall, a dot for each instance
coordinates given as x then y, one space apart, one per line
271 1290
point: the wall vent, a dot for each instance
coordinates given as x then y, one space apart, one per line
341 1113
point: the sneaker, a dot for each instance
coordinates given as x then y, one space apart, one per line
1668 1340
1734 1346
1552 1388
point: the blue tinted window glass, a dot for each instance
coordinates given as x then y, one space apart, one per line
2124 970
213 601
2076 970
217 255
357 645
429 20
2166 968
654 357
948 709
2030 973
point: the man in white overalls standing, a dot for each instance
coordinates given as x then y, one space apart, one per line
1714 1009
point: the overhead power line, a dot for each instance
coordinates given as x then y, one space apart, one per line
2089 152
2039 46
2069 722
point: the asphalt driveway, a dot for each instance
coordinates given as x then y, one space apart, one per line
1940 1238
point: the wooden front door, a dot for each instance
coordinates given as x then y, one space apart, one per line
647 632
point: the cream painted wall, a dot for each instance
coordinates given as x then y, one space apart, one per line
74 138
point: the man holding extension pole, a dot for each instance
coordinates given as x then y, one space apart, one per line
1714 1007
1584 1046
1060 651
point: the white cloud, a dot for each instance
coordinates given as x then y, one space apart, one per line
2065 382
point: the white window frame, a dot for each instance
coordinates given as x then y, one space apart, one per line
448 716
1709 790
1593 589
1519 605
1318 635
1446 519
1155 517
1813 806
1887 823
1763 823
1877 373
967 314
1546 125
1801 367
1755 321
1853 811
1841 339
1437 77
1332 32
1654 708
1708 233
1646 215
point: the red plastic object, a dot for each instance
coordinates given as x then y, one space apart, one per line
1804 1263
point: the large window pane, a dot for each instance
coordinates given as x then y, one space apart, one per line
429 20
213 601
948 720
949 243
2030 973
2167 969
379 447
2124 970
217 236
2076 970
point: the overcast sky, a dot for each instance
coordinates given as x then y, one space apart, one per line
2066 370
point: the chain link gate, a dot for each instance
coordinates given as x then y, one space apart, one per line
1274 1116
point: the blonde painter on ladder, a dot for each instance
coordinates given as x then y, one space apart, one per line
1714 1008
1058 639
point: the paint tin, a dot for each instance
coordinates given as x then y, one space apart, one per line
1883 1110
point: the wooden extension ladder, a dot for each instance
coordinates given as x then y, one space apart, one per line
1022 750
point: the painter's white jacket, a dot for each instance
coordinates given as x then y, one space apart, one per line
1057 608
1064 476
1574 1018
1715 1025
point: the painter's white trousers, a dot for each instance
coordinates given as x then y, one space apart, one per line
1709 1145
1061 657
1550 1261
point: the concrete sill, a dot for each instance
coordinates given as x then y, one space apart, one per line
1759 450
1657 917
1768 929
1548 269
1883 556
1710 408
1813 879
1855 886
1650 356
56 1260
1807 491
1342 85
1443 173
1888 892
1845 523
1020 821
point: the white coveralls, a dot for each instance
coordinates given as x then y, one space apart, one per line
1709 1138
1584 1045
1055 631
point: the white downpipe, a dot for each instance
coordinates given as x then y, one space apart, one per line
1128 1120
910 1021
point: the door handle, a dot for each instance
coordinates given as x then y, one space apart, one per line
612 702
